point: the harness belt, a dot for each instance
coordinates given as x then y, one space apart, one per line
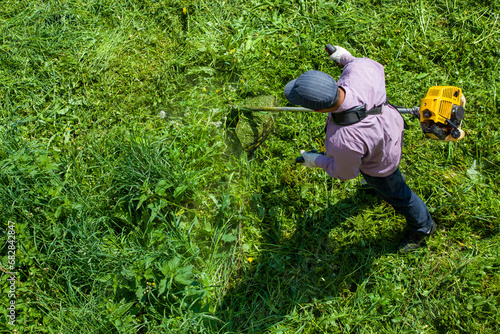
355 114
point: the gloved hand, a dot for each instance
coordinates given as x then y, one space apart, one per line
340 56
309 158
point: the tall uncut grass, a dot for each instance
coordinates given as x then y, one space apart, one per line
137 210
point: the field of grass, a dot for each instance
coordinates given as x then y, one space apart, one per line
129 206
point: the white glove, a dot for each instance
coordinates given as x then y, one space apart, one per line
309 158
463 100
340 55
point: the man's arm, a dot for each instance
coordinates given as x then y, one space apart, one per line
344 166
341 56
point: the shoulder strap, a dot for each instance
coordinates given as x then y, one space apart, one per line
355 114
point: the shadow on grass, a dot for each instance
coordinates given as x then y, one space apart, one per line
306 266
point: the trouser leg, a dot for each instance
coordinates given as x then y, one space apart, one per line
394 190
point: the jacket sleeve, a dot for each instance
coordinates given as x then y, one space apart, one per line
344 166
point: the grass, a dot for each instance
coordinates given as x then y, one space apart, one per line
129 222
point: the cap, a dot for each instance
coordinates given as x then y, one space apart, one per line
313 89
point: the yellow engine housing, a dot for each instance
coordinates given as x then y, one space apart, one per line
441 113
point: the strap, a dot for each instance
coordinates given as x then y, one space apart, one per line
355 114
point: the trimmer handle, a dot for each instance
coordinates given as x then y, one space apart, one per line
330 49
412 111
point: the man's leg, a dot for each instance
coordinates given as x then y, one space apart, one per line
396 192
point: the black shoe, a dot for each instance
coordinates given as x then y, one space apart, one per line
413 240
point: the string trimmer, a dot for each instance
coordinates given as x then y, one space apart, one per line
440 114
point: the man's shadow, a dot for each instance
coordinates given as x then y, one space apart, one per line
328 255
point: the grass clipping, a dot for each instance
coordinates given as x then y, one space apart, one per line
254 126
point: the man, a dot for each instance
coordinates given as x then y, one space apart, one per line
364 134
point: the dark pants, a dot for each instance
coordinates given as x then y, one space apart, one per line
396 192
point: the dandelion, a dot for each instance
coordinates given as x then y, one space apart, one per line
249 260
184 10
162 114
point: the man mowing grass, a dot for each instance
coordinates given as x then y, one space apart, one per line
364 134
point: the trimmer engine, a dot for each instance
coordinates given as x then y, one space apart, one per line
441 112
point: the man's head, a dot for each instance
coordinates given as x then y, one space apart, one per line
314 90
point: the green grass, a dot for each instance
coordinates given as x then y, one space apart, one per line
128 222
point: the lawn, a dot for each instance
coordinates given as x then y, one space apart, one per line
133 199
